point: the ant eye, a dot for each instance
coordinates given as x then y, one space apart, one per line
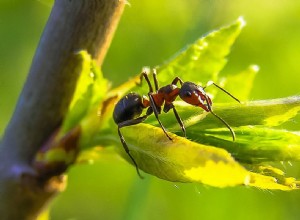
188 94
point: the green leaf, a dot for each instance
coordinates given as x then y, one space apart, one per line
203 60
82 95
199 62
181 159
254 144
269 113
91 89
256 140
267 145
85 78
268 177
239 85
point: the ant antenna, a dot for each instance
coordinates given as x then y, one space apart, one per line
225 123
212 83
221 119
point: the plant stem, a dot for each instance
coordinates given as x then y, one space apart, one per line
72 26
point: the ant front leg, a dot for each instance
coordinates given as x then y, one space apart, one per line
128 123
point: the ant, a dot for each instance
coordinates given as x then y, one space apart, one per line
128 110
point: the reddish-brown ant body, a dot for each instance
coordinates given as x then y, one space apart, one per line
129 109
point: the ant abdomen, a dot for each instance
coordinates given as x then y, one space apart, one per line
129 107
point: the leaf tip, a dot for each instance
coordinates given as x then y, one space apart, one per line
219 174
241 21
254 68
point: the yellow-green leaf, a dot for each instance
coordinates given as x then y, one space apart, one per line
181 159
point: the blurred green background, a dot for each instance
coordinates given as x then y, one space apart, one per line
149 33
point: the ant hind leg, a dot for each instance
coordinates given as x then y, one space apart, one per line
128 123
128 153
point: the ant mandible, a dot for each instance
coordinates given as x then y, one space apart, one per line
129 108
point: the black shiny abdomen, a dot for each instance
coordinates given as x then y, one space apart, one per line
129 107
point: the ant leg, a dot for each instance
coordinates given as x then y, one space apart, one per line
212 83
167 108
175 81
127 151
154 108
179 120
128 123
145 75
155 79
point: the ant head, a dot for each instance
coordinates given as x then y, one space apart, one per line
194 95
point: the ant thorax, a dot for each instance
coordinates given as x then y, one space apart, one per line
169 93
